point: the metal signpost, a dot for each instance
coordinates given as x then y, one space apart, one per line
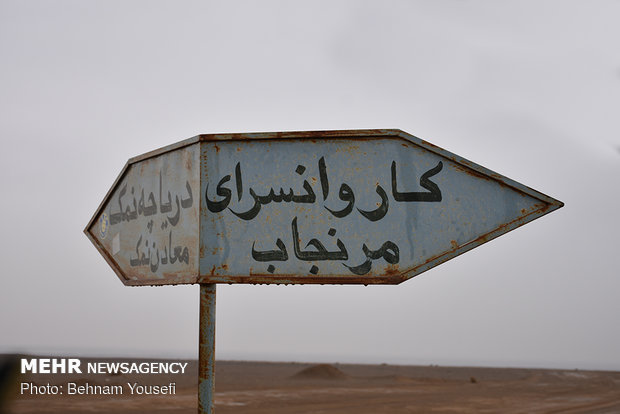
330 207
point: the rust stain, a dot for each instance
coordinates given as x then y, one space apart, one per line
454 244
429 144
471 172
392 277
213 270
217 149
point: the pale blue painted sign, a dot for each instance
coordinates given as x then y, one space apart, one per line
363 207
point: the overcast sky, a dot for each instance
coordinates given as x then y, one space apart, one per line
529 89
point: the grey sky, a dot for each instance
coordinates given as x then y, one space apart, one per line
526 88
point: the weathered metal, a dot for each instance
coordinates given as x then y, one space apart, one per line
147 226
206 349
345 207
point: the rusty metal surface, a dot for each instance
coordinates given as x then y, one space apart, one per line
347 207
147 226
380 207
206 349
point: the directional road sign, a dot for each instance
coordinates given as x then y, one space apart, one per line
337 207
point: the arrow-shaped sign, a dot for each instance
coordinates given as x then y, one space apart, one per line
354 207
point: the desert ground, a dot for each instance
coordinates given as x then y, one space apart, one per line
265 387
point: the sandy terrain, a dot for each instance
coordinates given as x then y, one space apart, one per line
262 387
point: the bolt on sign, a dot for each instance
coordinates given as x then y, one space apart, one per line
333 207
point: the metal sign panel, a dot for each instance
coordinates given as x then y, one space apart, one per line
147 226
345 207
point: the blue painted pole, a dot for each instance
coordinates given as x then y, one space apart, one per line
206 349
